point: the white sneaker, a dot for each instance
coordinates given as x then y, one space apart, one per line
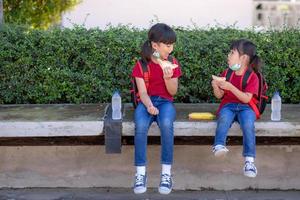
166 184
250 169
140 184
220 150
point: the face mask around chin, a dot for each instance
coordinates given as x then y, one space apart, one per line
156 55
235 67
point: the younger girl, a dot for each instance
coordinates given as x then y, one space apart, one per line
156 104
234 105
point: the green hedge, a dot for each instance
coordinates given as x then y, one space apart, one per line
85 66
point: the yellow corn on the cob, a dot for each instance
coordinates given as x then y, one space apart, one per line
202 115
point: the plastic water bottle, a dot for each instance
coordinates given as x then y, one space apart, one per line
116 103
276 107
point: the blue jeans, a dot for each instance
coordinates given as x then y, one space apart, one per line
164 120
245 116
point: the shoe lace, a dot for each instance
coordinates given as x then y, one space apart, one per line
250 166
165 179
218 147
139 179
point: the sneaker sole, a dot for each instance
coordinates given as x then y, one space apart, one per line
250 174
220 153
163 190
139 190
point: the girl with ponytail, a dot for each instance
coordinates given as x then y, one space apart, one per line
156 103
236 95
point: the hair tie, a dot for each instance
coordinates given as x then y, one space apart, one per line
253 58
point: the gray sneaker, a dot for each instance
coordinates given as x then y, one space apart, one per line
250 169
220 150
166 184
140 184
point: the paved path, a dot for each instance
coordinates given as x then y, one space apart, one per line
151 194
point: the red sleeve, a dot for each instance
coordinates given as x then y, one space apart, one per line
136 72
177 71
223 73
252 85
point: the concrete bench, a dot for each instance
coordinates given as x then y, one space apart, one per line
195 167
87 120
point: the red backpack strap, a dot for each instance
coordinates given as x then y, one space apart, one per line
254 101
253 104
263 87
145 70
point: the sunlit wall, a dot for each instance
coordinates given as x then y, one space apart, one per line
140 13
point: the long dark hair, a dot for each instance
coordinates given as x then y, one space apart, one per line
158 33
246 47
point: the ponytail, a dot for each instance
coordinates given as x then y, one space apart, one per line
146 51
256 63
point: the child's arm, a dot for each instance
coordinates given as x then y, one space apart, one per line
244 97
145 97
218 92
171 83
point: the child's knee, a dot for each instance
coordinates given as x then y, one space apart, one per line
166 124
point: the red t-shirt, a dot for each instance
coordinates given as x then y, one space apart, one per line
251 87
157 85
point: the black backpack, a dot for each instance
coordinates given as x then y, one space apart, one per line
143 65
258 104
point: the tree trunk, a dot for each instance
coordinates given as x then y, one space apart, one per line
1 12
